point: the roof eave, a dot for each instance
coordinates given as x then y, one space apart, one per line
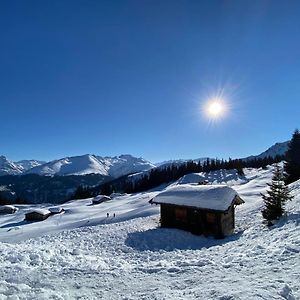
238 200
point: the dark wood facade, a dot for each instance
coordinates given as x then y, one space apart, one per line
8 209
197 220
35 216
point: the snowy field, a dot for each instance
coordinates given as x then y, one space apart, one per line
82 254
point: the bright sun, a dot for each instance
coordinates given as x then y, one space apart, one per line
215 108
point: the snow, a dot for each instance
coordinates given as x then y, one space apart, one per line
88 164
55 209
8 209
108 166
100 198
227 177
29 164
41 211
215 197
82 254
8 167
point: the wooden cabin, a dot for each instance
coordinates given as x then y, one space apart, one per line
100 198
37 215
200 209
8 209
56 210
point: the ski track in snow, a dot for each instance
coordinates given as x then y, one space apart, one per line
130 257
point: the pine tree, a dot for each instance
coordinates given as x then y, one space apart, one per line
292 165
276 197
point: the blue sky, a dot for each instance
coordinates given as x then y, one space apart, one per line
114 77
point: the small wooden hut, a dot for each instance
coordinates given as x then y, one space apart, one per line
100 198
200 209
56 210
37 215
8 209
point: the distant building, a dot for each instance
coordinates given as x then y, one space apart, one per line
37 215
200 209
100 198
8 209
56 210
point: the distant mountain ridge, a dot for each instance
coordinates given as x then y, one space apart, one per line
8 167
179 161
107 166
26 165
87 164
77 165
273 151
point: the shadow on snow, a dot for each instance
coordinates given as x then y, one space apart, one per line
171 239
16 224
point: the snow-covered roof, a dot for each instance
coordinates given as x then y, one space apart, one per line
40 211
214 197
55 209
102 197
6 208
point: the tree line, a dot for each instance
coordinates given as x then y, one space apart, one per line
274 200
161 175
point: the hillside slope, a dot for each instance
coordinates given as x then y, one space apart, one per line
130 257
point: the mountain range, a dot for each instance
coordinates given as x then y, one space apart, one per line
77 165
57 180
107 166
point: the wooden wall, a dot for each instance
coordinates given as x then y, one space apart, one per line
198 221
227 221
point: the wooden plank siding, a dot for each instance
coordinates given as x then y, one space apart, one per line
227 221
198 221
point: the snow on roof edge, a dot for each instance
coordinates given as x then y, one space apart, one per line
40 211
211 197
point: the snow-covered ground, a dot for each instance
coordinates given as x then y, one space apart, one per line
83 254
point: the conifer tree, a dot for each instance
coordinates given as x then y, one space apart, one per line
276 197
292 165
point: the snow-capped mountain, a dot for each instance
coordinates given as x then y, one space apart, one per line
273 151
76 165
29 164
108 166
87 164
8 167
125 164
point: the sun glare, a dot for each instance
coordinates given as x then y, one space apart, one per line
215 108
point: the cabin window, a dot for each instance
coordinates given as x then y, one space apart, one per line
180 214
210 217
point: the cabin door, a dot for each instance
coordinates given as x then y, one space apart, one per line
196 222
